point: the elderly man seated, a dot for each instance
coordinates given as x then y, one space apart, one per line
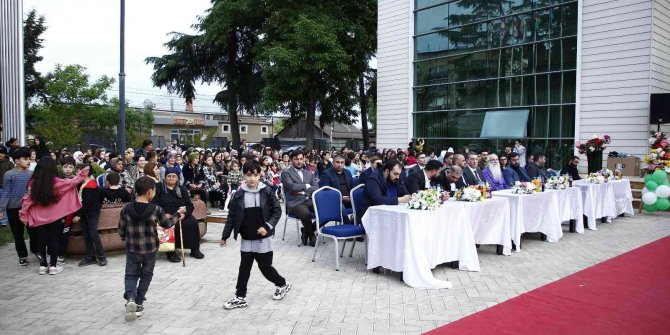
493 174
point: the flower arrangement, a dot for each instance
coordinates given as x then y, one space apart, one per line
428 199
470 194
607 174
659 154
523 188
593 144
557 183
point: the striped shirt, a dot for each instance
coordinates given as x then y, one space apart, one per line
14 188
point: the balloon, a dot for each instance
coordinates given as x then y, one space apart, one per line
659 177
663 191
647 177
645 190
649 198
650 208
662 204
651 185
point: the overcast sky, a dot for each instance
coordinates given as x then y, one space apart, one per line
86 32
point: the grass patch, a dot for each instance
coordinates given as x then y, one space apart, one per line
6 236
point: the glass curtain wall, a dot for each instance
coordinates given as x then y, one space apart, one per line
475 58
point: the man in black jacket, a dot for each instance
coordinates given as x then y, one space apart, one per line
423 179
450 179
253 213
571 168
535 169
472 175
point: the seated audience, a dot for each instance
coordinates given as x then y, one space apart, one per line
423 178
514 172
384 188
571 168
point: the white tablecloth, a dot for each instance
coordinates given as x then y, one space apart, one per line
536 212
490 221
623 197
599 201
416 241
570 206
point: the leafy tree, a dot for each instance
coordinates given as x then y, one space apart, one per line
33 27
312 54
222 52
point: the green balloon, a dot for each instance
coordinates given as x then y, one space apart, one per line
659 177
666 183
650 208
647 177
651 185
662 204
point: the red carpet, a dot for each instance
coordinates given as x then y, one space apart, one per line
628 294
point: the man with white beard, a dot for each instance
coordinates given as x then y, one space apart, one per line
493 173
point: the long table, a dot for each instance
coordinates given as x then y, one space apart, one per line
606 200
416 241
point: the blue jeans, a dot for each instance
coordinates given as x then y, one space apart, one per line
4 220
89 227
138 267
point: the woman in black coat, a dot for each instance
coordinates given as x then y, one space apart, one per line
170 196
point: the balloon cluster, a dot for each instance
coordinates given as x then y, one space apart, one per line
656 192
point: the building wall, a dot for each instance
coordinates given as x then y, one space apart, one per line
253 134
12 92
660 47
616 53
394 59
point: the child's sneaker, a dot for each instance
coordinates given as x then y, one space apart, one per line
280 292
43 270
55 270
23 261
236 302
61 260
131 310
139 310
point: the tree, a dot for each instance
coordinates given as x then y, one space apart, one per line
33 27
312 54
367 90
223 53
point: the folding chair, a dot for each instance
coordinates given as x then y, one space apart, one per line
328 208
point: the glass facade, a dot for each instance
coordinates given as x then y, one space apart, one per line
475 58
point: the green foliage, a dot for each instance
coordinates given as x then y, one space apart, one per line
199 142
33 27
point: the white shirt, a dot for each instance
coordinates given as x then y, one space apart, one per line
427 185
474 171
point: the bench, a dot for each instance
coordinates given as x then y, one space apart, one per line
109 224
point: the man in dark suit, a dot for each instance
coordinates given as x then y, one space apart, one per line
420 164
376 164
514 172
299 184
536 168
450 179
384 188
419 181
571 168
340 179
471 173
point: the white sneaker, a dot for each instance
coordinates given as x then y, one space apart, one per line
61 261
55 270
43 270
280 292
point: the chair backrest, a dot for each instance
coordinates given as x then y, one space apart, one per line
356 196
101 180
327 206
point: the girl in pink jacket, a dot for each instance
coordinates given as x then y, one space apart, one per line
48 199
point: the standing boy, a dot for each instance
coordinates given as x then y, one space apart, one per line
88 216
253 213
14 188
138 228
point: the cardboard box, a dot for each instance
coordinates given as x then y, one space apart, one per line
630 165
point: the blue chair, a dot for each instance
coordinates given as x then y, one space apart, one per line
356 196
297 221
328 208
101 180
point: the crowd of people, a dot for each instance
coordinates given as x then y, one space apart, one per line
47 191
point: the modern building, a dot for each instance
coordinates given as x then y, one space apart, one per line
551 72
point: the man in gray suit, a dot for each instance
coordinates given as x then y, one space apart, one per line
299 184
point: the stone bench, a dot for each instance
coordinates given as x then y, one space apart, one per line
109 224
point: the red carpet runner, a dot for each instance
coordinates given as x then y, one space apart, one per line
628 294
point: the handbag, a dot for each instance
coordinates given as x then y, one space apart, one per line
166 239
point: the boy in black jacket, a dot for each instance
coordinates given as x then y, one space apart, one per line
253 213
88 216
137 227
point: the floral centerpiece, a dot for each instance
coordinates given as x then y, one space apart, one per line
595 178
607 174
594 144
428 199
557 183
523 188
469 194
659 154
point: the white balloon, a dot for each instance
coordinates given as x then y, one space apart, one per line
645 190
649 198
663 191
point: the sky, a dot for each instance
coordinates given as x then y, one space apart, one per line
86 32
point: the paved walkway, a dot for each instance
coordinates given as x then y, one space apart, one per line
352 301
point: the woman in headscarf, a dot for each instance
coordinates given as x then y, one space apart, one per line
40 147
170 196
116 165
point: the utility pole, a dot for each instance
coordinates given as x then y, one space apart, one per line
122 85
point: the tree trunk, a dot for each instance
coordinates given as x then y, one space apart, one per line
364 111
234 125
311 118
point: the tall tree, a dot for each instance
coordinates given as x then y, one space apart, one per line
33 28
221 52
312 54
367 94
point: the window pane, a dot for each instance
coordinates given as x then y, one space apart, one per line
517 94
539 121
570 19
541 89
431 19
427 3
569 53
515 6
430 46
555 85
467 67
568 121
555 121
433 71
542 57
569 87
542 20
528 62
431 98
517 61
555 54
472 37
465 11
